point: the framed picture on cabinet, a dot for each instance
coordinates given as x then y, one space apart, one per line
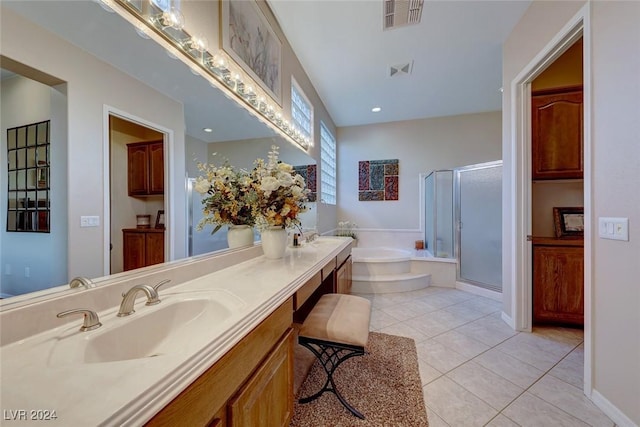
568 222
160 219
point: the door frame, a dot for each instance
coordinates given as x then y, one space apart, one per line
521 258
168 138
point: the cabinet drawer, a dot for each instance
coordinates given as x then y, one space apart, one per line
328 269
343 255
306 290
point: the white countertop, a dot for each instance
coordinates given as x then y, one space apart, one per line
38 376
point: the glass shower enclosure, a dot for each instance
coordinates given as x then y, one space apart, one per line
463 220
438 186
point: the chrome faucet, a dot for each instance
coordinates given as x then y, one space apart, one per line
90 322
129 298
76 282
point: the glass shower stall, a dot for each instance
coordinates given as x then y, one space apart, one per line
463 220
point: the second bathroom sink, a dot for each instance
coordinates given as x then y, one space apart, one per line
175 325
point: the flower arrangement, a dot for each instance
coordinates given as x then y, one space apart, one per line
347 229
230 196
281 192
271 194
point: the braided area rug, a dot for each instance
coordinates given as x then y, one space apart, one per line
384 385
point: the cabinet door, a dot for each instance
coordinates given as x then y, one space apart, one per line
556 131
133 250
558 291
267 397
156 168
138 169
154 248
343 278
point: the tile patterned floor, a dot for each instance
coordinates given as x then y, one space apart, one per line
476 371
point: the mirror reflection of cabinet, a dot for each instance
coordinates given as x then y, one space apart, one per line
146 168
28 177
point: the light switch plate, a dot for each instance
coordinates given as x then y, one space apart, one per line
89 221
613 228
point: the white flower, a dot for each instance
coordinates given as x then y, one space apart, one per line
202 185
285 167
297 191
269 184
285 179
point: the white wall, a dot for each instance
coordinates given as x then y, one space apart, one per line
92 84
421 146
23 102
615 127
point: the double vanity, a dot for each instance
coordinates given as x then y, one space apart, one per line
216 350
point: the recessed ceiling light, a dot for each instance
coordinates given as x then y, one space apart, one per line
209 130
376 109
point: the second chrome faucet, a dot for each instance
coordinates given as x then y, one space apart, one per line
129 297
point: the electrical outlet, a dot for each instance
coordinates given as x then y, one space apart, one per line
613 228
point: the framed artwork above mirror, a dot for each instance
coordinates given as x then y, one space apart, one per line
28 177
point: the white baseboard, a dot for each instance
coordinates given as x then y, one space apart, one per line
508 320
477 290
610 410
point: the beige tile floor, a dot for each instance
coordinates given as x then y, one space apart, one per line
476 371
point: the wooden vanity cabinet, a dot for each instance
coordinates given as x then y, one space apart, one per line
558 284
145 168
343 277
557 134
251 385
142 247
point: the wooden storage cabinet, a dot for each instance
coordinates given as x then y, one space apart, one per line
558 284
145 168
142 247
557 134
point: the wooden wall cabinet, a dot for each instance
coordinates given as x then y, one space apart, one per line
558 282
145 168
557 134
142 247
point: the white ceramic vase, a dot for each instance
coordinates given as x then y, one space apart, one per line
274 242
239 236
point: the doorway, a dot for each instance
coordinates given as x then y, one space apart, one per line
557 191
520 171
136 215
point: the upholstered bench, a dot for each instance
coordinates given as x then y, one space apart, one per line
336 329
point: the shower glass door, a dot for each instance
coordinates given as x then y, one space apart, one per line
479 226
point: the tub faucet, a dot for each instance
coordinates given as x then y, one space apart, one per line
129 298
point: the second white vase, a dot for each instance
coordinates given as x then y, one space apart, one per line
239 236
274 242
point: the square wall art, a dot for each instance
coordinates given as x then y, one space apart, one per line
308 172
378 180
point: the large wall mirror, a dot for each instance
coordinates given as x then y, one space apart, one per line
86 27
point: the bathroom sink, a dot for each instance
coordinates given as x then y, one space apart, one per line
175 325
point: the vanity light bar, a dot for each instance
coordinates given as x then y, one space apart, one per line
168 27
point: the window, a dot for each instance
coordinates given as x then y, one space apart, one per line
327 166
301 111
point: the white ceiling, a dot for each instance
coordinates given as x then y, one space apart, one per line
456 52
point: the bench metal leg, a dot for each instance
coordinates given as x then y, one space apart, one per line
331 355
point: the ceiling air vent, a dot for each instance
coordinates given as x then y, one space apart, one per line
400 69
397 13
